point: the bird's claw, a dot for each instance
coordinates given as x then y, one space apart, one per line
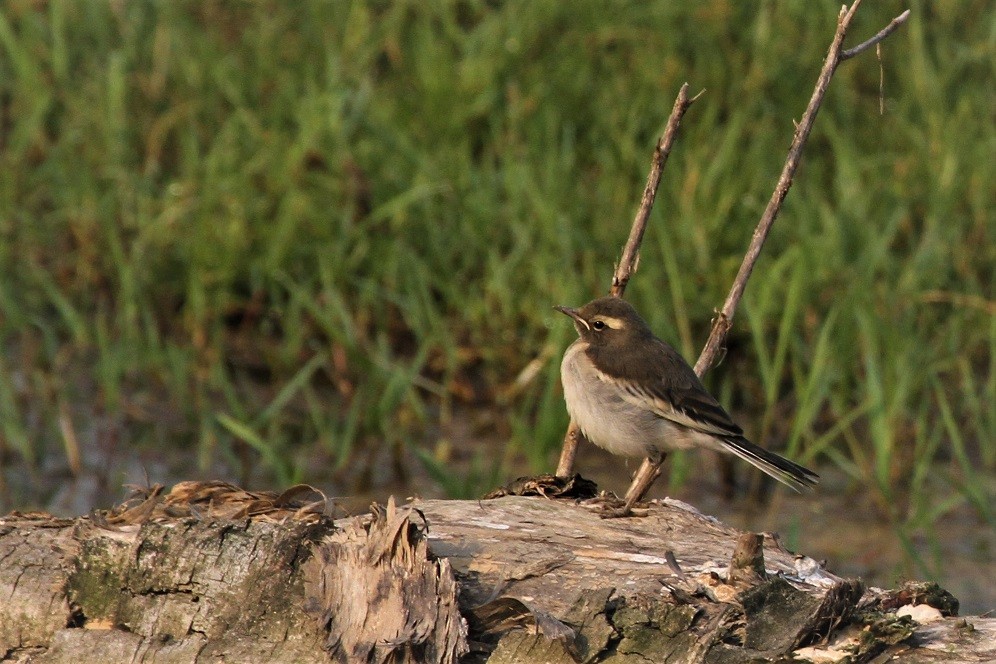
609 506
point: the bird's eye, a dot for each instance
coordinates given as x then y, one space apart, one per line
598 324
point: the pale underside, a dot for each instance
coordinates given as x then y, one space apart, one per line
621 422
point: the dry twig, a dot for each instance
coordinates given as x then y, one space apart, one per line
649 471
630 258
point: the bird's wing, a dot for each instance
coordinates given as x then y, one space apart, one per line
672 391
694 409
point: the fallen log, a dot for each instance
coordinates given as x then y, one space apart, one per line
209 572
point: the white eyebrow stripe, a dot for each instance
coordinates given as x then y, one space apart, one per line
614 323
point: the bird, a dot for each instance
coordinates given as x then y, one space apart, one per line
634 395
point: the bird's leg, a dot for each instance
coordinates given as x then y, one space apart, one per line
649 471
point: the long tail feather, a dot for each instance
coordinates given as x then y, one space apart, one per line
783 470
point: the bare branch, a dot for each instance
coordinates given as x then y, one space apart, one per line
631 251
882 34
569 452
721 325
650 469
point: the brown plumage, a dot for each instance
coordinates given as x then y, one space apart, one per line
634 395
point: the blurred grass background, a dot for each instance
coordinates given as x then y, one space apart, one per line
321 240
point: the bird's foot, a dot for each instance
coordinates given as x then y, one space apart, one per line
609 506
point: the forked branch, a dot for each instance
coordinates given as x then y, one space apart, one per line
877 39
835 56
649 471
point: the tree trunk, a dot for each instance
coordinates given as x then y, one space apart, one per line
213 573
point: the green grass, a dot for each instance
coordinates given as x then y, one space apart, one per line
329 225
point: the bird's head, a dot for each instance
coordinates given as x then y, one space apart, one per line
607 321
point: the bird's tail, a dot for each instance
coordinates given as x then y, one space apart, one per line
783 470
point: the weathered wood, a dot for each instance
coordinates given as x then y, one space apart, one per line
213 573
155 581
35 566
747 562
208 572
383 598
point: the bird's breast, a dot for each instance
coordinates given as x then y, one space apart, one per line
599 409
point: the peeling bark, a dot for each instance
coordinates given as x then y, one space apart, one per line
384 599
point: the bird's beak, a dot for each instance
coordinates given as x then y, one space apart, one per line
573 313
